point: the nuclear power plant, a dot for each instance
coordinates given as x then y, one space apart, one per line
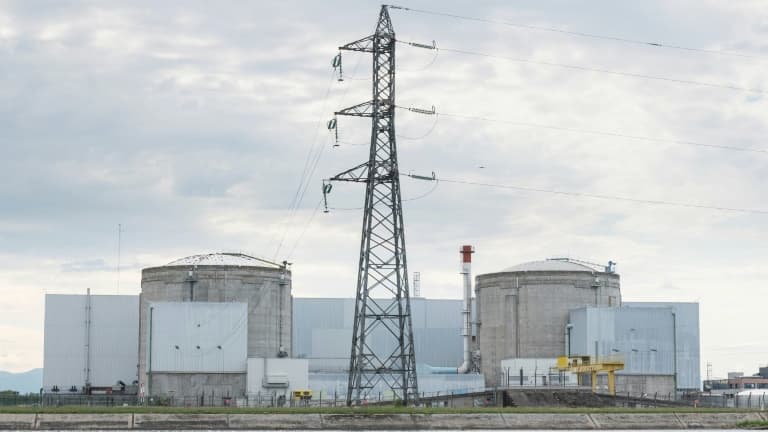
224 328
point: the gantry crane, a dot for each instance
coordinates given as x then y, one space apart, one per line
583 365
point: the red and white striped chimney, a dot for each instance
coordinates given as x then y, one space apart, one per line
466 311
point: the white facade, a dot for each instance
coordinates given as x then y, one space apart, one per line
193 337
277 375
104 340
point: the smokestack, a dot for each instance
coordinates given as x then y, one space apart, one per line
466 311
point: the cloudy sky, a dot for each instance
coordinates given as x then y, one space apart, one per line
191 124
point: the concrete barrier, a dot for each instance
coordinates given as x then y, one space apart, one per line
466 421
636 421
353 421
84 421
547 421
715 420
180 421
17 421
367 421
275 421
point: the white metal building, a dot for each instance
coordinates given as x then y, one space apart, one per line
658 340
90 339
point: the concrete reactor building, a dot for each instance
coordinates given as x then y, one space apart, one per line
522 311
202 317
531 314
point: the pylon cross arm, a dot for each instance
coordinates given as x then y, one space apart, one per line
363 45
364 109
356 174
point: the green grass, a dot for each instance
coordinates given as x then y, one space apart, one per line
345 410
753 424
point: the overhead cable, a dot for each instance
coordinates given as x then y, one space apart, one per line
310 167
605 71
304 231
586 35
605 197
604 133
311 151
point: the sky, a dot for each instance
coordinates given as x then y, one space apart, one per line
192 125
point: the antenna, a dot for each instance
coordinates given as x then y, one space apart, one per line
119 238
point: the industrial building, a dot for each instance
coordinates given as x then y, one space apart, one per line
223 327
737 382
201 318
90 342
532 313
323 333
658 342
522 311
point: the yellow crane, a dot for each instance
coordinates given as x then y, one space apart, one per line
583 365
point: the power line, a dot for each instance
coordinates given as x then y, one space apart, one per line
584 34
604 133
307 161
307 175
304 231
605 71
606 197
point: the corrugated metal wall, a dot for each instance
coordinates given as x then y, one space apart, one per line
688 340
323 331
113 347
642 334
199 337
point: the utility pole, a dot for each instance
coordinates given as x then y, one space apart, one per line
382 336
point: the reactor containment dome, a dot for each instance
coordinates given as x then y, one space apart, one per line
523 310
201 317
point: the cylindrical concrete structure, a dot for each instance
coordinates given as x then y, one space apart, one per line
522 311
218 278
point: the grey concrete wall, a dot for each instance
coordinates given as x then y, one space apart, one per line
265 290
185 386
352 421
637 385
524 314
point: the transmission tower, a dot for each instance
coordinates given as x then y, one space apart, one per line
382 336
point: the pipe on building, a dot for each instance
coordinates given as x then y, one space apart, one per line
568 328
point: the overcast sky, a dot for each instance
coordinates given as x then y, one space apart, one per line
189 123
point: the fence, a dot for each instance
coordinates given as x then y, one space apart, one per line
751 401
266 400
319 400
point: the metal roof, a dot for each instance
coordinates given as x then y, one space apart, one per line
223 259
549 265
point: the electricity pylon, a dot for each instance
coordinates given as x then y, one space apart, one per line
382 336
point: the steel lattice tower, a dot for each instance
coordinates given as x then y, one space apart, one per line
382 337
